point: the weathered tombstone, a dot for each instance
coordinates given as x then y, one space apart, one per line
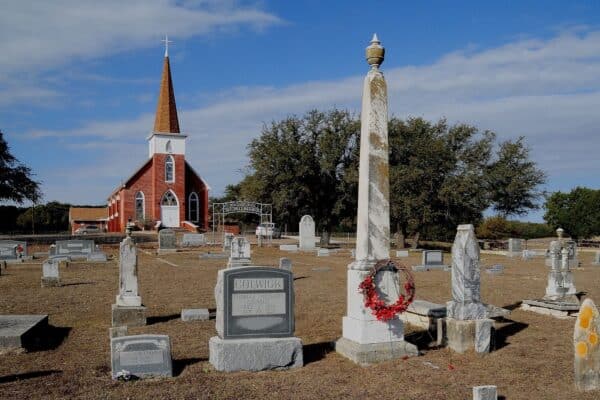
431 260
288 247
596 258
227 239
307 233
285 263
193 239
240 252
195 314
20 332
586 338
167 241
365 339
323 253
50 273
488 392
561 243
515 247
353 254
255 321
128 309
79 249
466 324
401 253
141 356
117 331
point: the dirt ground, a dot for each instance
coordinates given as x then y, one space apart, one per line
533 358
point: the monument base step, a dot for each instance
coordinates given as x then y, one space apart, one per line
50 282
551 308
371 353
464 335
195 314
257 354
421 268
128 316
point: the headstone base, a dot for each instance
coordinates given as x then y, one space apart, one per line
231 355
421 268
371 353
97 257
117 331
166 251
195 314
462 336
128 316
240 262
213 255
50 282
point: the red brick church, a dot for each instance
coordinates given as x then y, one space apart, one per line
165 188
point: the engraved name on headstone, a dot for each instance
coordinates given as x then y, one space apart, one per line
255 302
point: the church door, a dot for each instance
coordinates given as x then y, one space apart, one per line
169 210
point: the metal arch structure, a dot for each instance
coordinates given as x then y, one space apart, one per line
220 210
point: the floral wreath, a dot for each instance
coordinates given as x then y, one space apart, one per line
380 310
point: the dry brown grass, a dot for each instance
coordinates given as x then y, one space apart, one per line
534 359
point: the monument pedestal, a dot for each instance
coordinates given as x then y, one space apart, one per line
258 354
128 315
366 340
462 336
50 282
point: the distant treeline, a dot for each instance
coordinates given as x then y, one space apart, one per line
52 217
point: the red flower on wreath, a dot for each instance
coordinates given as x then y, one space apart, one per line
379 309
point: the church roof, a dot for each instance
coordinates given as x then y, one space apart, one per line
166 111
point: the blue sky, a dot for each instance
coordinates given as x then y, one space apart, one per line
79 79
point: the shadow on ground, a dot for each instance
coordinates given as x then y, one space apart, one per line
78 283
513 306
161 318
180 365
316 351
45 338
27 375
506 331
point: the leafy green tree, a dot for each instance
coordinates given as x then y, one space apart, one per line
301 165
513 180
16 183
437 176
577 212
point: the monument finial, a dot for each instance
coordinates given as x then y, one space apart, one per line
375 52
166 41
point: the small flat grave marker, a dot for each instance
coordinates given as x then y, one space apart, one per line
142 356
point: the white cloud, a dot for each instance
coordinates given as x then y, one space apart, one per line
38 36
546 90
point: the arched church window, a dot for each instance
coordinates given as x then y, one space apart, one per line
193 207
169 169
139 206
168 199
168 147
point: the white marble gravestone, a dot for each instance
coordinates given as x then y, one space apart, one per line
467 325
50 273
466 280
227 239
240 252
307 233
364 338
128 309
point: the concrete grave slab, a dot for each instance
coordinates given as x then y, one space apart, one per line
19 332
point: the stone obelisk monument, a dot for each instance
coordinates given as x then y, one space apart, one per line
365 339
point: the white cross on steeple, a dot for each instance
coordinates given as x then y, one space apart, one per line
166 41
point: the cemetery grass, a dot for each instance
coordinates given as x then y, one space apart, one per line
533 357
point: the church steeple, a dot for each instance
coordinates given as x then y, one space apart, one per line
166 120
